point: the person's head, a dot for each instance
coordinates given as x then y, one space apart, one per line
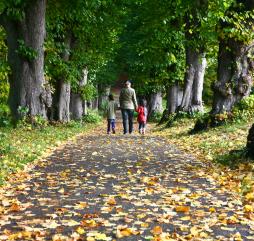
142 102
111 97
127 84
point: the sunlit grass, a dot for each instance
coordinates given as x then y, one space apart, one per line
19 146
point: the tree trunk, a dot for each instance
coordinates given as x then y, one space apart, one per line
172 98
94 104
65 87
104 91
64 101
250 142
194 79
196 102
235 69
155 103
78 106
84 103
235 66
27 81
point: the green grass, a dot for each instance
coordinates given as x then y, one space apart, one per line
19 146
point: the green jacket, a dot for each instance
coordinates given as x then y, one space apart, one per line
128 99
111 110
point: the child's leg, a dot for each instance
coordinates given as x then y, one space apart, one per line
108 128
144 128
113 125
139 127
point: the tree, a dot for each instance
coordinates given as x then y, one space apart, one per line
24 23
235 57
152 47
91 32
195 57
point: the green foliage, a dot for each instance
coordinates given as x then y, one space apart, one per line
14 9
246 103
94 35
155 117
238 25
244 110
92 117
88 92
26 52
4 69
5 119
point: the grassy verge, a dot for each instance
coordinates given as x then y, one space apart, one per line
23 145
221 148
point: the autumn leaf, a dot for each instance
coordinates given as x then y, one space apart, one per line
15 207
111 201
182 209
157 230
124 231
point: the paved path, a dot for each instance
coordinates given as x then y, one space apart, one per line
127 187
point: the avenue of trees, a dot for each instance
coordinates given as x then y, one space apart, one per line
58 55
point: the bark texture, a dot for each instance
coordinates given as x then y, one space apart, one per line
27 83
65 86
235 67
174 97
193 81
234 75
155 103
104 91
78 106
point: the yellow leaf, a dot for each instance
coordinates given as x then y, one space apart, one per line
194 231
81 205
144 225
248 208
124 231
182 209
80 230
101 236
250 196
157 230
89 223
111 201
212 210
61 190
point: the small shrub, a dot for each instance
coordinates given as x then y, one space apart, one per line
244 110
155 116
92 117
246 103
5 118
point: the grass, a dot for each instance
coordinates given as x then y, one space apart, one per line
222 148
23 145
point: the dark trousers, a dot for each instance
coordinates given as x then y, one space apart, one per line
111 124
141 125
127 115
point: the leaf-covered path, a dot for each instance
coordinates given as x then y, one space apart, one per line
128 187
